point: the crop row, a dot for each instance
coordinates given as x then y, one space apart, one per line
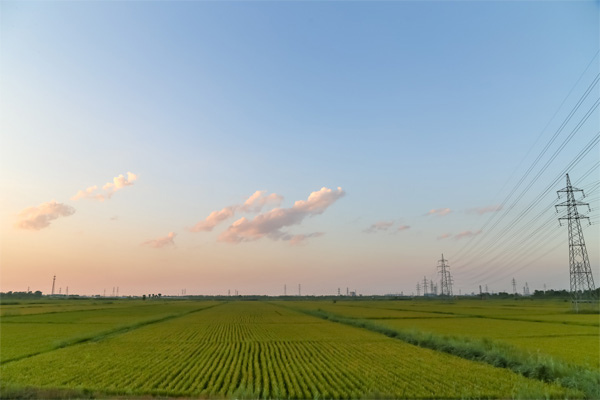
576 342
262 350
25 335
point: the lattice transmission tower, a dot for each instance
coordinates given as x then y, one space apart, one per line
445 278
582 280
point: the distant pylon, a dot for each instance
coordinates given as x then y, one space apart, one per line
53 281
514 284
445 278
425 284
582 280
419 289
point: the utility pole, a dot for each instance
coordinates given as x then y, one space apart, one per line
53 282
285 289
446 278
299 290
582 280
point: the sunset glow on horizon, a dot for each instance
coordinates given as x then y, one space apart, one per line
243 146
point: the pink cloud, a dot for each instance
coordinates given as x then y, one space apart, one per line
258 200
379 226
466 234
296 240
161 242
440 212
88 194
253 204
484 210
444 236
36 218
118 183
213 219
403 228
270 223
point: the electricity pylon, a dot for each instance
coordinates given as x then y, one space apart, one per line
582 280
446 279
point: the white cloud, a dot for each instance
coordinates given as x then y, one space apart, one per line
161 242
484 210
118 183
440 212
270 223
36 218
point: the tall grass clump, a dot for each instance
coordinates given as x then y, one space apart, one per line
497 354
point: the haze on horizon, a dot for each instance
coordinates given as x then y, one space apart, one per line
215 146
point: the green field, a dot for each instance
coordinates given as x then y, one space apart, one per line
298 349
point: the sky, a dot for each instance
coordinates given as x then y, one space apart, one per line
214 147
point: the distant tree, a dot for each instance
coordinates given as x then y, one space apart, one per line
21 295
144 297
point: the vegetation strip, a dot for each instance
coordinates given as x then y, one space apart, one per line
107 334
487 351
459 315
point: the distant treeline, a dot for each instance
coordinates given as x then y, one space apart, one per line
20 295
561 293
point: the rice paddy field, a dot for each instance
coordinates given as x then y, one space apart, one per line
317 349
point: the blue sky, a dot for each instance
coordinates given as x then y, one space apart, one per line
407 106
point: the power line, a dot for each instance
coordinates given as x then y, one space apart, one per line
497 238
478 239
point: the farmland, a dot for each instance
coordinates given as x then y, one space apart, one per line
288 349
